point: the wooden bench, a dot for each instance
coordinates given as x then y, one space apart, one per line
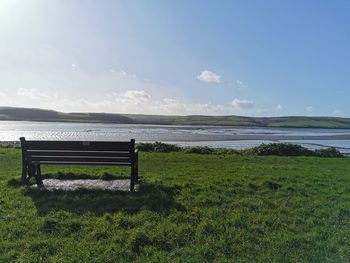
36 153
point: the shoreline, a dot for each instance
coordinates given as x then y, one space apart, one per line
273 138
344 150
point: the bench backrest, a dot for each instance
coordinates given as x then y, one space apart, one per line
79 152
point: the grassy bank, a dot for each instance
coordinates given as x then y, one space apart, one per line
189 208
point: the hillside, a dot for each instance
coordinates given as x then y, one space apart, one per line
25 114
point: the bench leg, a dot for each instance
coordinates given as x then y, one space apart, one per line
136 174
31 171
133 177
24 172
34 170
38 178
136 168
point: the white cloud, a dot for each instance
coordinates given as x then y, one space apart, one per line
240 83
339 113
74 66
169 101
279 107
209 76
140 101
33 93
137 96
130 101
262 111
107 91
125 74
237 84
3 95
310 109
242 104
122 73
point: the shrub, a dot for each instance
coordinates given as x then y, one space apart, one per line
281 149
328 152
158 147
145 146
199 150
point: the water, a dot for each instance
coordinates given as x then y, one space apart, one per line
212 136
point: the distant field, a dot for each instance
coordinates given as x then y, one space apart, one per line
189 208
311 124
47 115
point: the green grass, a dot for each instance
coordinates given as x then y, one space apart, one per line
189 208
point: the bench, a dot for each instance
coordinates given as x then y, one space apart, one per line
36 153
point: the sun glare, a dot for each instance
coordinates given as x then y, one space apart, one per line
5 3
5 6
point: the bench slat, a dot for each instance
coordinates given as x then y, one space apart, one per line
85 163
78 153
43 159
77 145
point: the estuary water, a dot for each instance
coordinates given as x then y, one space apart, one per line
212 136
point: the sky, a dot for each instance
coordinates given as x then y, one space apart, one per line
234 57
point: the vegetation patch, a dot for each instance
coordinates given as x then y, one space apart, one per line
158 147
277 149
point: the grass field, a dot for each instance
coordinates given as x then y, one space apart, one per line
189 208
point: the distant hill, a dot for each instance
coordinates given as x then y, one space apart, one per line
26 114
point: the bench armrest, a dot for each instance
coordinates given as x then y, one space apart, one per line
136 151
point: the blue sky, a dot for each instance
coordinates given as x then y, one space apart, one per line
256 58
